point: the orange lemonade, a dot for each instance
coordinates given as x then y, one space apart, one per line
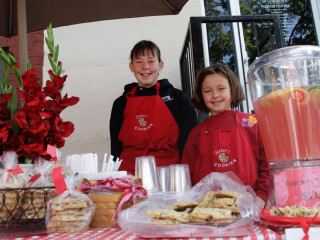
289 123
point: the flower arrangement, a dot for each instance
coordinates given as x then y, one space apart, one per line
30 116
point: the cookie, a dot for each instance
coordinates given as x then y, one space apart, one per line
210 213
163 221
207 199
169 214
34 214
73 212
227 194
233 208
182 206
65 205
225 201
68 218
68 229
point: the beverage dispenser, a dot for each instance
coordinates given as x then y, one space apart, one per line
285 91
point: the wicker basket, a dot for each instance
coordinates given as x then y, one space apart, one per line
25 213
106 207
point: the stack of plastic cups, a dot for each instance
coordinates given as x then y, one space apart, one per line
180 180
145 169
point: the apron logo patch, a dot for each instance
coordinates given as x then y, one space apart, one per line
223 157
142 122
225 160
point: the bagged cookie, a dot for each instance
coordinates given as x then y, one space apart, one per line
71 210
34 199
10 178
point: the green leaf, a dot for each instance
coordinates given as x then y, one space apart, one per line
5 83
13 111
50 34
17 73
12 59
59 70
52 63
56 53
49 45
29 65
4 57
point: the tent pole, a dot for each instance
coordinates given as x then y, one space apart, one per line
22 33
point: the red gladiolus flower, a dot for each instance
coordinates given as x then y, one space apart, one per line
66 128
36 121
13 144
4 98
52 107
4 134
65 102
57 140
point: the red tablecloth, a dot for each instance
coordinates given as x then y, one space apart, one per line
257 232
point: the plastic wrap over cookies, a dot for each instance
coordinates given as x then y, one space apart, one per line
219 205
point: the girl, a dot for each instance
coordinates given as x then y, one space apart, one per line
151 117
227 140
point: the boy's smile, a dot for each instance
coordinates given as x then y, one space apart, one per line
146 68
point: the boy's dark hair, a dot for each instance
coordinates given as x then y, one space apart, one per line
143 45
237 94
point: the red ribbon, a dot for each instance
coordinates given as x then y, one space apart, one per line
14 171
306 226
58 180
34 178
131 190
52 151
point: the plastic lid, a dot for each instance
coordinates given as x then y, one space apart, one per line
286 54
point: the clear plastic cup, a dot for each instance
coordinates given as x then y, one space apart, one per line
180 180
145 168
164 178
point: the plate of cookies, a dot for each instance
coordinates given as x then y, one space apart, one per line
291 215
215 208
219 205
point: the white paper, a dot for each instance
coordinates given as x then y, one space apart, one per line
298 234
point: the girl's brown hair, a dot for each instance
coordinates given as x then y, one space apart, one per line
237 94
140 47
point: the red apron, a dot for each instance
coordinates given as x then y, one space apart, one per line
148 129
223 150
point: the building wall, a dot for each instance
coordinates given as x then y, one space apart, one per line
95 57
35 51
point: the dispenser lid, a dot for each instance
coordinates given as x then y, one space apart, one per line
285 54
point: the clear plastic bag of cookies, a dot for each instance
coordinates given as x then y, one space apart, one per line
40 189
10 178
219 205
71 211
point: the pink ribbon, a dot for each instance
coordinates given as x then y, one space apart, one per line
132 190
58 180
34 178
14 171
306 226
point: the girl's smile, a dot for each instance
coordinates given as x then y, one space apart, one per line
216 93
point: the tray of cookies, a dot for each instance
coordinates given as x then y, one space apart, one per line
219 205
290 216
214 209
